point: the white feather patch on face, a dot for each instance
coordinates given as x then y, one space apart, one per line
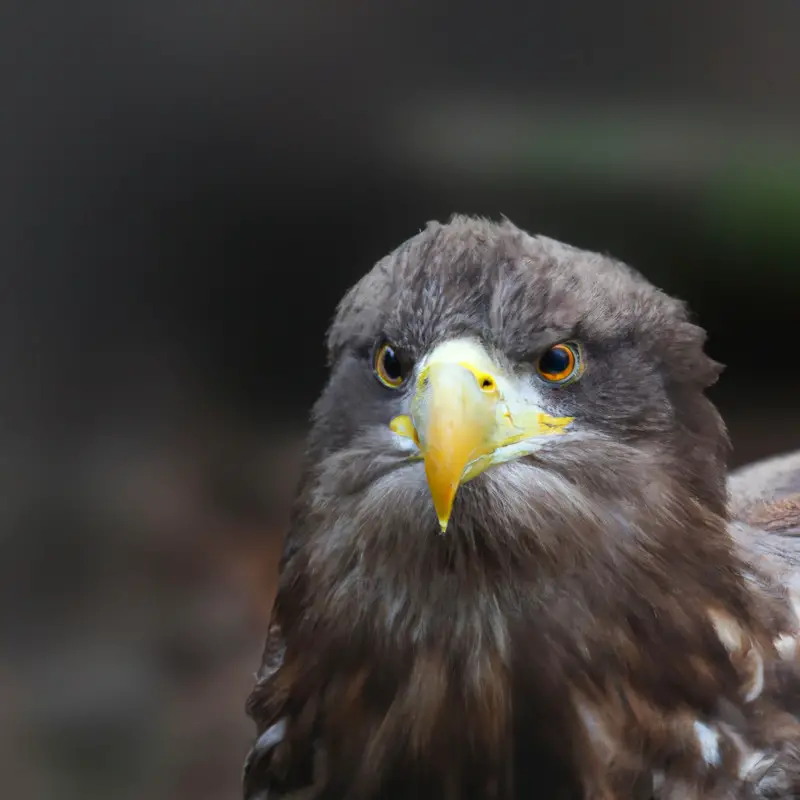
404 443
511 452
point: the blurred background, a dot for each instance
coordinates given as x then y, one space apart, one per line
186 190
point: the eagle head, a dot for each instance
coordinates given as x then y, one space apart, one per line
509 568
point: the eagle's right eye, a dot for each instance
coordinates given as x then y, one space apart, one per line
388 366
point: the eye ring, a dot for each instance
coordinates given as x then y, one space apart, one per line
388 366
561 364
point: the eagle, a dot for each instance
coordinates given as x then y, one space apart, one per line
517 566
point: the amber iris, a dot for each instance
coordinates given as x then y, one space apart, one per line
388 366
560 364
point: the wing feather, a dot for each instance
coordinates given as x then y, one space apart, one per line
766 494
765 511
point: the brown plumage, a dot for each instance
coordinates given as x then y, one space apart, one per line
590 624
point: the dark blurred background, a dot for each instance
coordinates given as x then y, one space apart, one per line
186 189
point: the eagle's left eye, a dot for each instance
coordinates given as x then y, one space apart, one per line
560 364
388 366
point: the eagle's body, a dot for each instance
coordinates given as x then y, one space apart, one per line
590 624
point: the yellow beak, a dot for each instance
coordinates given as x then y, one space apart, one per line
460 418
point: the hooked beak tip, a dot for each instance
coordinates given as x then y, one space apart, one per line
443 484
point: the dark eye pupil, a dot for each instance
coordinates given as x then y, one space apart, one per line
555 361
391 365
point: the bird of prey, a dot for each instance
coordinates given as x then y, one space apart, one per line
516 566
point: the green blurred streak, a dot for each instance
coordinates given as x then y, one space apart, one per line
756 207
